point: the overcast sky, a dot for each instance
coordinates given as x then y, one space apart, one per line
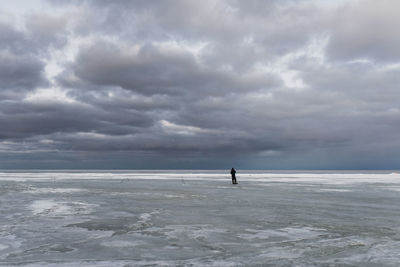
269 84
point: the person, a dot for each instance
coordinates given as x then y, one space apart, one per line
233 173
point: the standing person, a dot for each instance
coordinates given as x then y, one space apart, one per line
233 173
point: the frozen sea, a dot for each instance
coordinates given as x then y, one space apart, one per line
198 218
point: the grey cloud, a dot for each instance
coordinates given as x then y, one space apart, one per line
45 30
41 31
19 67
22 53
275 26
20 72
27 119
11 39
154 71
365 29
203 81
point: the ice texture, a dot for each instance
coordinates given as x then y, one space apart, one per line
198 218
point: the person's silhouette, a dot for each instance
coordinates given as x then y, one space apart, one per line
233 173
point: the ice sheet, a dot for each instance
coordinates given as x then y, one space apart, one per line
199 218
259 176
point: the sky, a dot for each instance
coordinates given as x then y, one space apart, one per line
185 84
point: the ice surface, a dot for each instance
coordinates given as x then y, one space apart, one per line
54 190
198 218
122 243
284 233
52 207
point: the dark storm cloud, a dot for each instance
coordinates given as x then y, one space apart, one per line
151 70
22 52
301 83
27 119
19 67
18 72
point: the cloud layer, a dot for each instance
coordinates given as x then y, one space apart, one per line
200 84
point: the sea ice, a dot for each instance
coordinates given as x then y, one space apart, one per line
197 218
